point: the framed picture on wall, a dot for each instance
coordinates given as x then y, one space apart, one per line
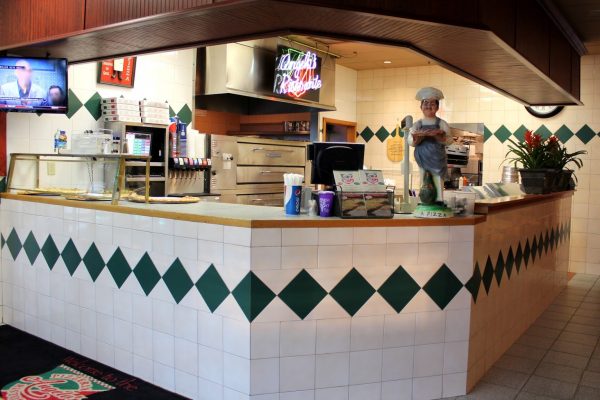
118 72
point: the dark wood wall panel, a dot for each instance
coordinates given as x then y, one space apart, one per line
560 59
2 144
106 12
500 17
24 21
575 74
532 34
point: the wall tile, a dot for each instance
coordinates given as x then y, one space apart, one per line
296 373
365 366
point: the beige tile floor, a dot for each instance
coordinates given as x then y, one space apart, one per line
558 357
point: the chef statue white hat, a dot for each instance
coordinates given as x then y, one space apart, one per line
429 93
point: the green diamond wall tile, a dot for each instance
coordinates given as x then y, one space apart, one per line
118 267
14 244
146 274
93 106
171 112
302 294
540 245
382 134
31 247
520 133
352 292
177 280
487 133
50 252
564 134
93 262
474 283
71 257
502 134
74 104
526 253
499 271
212 288
399 289
546 242
518 258
367 134
544 132
488 275
185 114
2 241
252 295
534 249
442 286
585 134
509 262
552 239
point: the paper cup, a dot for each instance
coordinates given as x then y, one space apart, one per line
325 203
291 199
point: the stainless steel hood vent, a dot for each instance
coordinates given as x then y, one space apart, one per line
239 78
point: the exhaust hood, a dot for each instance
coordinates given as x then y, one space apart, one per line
240 78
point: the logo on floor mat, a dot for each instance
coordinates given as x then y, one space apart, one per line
61 383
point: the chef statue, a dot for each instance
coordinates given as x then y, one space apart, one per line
429 136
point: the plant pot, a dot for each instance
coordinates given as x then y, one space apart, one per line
537 181
563 180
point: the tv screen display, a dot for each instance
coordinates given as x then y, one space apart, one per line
327 157
297 74
33 84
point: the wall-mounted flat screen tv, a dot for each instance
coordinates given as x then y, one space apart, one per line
297 74
33 85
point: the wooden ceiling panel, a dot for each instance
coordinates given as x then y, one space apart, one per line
474 53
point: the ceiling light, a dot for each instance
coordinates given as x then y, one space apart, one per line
387 62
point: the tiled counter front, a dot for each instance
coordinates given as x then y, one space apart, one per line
521 263
219 312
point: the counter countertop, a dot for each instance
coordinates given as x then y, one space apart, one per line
273 217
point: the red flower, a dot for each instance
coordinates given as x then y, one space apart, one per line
533 140
552 140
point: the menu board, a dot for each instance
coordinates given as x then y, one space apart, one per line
297 74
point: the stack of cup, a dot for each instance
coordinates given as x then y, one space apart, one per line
510 174
293 193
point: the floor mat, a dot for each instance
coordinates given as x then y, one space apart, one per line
32 368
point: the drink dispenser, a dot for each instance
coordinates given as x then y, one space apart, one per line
189 166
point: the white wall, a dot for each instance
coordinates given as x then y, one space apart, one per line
385 95
345 96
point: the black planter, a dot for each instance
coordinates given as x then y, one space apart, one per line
538 181
563 180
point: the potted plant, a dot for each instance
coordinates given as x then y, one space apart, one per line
542 163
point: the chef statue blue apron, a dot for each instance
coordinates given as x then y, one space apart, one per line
430 136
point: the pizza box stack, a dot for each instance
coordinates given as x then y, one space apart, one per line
119 109
154 112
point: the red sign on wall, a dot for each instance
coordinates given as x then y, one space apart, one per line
119 72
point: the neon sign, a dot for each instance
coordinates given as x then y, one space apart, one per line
297 74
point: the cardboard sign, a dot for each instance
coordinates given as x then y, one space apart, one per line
395 148
118 72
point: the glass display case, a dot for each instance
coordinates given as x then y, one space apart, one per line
85 177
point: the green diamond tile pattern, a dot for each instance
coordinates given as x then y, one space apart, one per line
585 134
2 241
71 257
488 275
443 286
185 114
31 247
50 252
118 267
146 273
502 134
172 112
352 292
474 283
527 253
552 239
399 289
252 295
93 106
509 263
518 258
14 244
499 270
382 134
564 134
177 280
74 104
546 242
212 288
93 262
302 294
544 132
540 246
487 133
367 134
520 133
534 249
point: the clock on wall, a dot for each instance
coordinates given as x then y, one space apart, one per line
544 111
